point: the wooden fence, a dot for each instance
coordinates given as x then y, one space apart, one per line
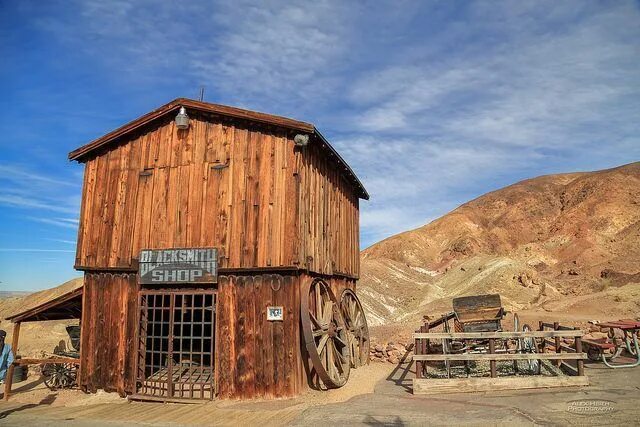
561 353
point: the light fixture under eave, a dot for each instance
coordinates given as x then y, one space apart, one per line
182 119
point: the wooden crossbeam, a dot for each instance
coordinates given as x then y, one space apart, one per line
500 356
33 361
500 335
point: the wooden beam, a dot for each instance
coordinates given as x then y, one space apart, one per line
500 356
501 335
14 349
34 361
466 385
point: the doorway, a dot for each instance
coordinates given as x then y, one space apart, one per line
176 345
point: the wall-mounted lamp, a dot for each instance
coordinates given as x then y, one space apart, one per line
301 140
182 119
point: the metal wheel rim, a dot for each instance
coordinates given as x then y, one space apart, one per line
325 334
357 328
529 346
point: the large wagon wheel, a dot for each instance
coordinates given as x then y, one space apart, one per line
325 334
357 329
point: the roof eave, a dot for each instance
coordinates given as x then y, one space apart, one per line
363 191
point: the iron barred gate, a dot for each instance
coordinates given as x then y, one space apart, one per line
176 344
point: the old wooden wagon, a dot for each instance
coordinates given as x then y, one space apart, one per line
220 251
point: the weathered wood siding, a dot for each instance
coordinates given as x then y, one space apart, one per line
253 358
109 322
256 357
218 184
246 190
328 224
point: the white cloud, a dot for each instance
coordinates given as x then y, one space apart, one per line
69 242
18 174
29 202
71 223
431 103
544 88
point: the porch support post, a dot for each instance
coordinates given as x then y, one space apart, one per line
14 349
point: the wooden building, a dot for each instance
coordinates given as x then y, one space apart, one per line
200 243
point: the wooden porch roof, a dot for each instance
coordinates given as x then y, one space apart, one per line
54 305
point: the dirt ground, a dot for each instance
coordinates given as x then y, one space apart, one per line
378 394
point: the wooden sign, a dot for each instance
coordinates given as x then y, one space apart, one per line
166 266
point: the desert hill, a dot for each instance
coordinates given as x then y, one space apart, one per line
548 242
36 337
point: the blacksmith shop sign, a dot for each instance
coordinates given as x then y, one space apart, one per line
163 266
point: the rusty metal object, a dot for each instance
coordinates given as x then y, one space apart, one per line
357 328
325 334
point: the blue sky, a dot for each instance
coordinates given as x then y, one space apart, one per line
431 103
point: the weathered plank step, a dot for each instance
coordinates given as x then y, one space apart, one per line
467 385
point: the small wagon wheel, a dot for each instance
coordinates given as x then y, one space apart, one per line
528 346
325 334
357 329
59 375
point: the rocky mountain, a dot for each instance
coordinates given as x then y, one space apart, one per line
549 242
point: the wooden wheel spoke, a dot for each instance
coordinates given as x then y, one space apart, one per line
337 338
315 322
323 342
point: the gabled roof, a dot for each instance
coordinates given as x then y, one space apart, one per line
80 154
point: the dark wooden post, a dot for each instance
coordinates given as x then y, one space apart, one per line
425 348
492 363
417 349
556 326
14 349
578 342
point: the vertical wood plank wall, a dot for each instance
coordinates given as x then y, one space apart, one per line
109 323
255 357
328 221
244 189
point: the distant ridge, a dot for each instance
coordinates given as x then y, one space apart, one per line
550 242
13 294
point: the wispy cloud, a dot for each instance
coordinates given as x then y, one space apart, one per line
59 222
17 174
35 250
24 189
69 242
33 203
430 102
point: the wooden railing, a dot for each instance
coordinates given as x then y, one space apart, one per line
557 345
562 352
